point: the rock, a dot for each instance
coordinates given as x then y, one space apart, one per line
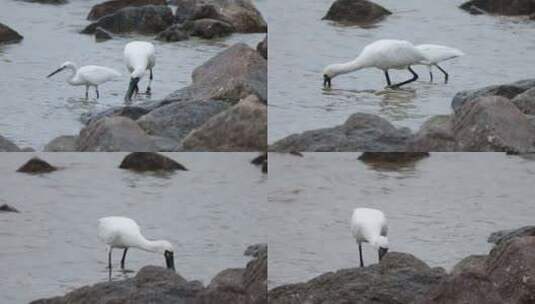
149 19
36 166
177 120
132 112
256 275
500 7
102 35
256 250
54 2
229 279
356 12
8 208
525 101
172 34
110 7
492 124
208 28
505 90
436 134
260 160
65 143
115 134
499 237
399 278
164 144
472 263
392 157
7 146
8 35
360 132
243 127
148 161
262 47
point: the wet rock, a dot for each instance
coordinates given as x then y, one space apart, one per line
132 112
112 6
500 7
36 166
525 101
392 157
231 278
472 263
172 34
65 143
176 120
149 19
8 208
501 236
115 134
7 146
399 278
243 127
360 132
208 28
8 35
262 47
256 250
356 12
148 161
256 275
261 160
436 134
102 35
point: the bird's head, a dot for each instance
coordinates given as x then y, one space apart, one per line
131 88
65 65
166 248
328 74
382 246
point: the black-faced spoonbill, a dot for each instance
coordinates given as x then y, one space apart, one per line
369 225
123 233
382 54
139 56
88 76
438 53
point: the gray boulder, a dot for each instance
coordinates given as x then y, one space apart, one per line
525 101
500 7
7 146
110 7
208 28
172 34
8 35
65 143
501 236
262 47
102 35
436 134
356 12
472 263
132 112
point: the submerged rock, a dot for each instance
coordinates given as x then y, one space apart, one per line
149 161
8 208
172 34
260 160
65 143
7 146
36 166
112 6
8 35
356 12
102 35
208 28
500 7
392 157
262 47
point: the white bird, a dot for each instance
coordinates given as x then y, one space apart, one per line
382 54
123 233
139 56
438 53
88 76
369 225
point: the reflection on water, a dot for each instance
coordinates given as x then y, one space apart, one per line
497 51
441 208
210 213
37 109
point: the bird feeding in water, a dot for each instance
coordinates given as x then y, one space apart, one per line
434 54
139 57
88 76
384 55
369 226
124 233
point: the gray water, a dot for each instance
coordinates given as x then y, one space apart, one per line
36 109
441 209
498 50
209 213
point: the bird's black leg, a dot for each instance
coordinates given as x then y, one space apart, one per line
150 81
360 255
388 83
109 263
124 256
136 89
96 89
430 75
414 78
445 73
86 92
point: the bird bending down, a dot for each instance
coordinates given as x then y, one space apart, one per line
88 76
369 225
123 233
438 53
139 56
382 54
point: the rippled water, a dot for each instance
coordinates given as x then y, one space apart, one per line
441 209
210 213
36 109
498 50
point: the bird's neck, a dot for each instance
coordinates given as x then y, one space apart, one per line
73 70
348 67
148 245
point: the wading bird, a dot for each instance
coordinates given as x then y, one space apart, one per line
88 76
369 225
123 233
438 53
139 56
382 54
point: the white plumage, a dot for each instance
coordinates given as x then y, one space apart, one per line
435 54
139 57
383 54
370 226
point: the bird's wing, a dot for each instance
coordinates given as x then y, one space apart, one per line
438 53
97 74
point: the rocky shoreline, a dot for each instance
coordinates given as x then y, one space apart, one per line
153 284
505 275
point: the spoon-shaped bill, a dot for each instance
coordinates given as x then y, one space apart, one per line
169 260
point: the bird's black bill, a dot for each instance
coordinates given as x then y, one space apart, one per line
55 72
326 81
382 252
169 260
131 88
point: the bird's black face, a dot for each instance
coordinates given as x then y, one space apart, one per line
169 259
326 81
382 252
131 88
55 72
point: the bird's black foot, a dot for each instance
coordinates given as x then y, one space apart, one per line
148 92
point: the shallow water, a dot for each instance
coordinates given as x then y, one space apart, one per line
209 213
441 209
301 45
36 109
